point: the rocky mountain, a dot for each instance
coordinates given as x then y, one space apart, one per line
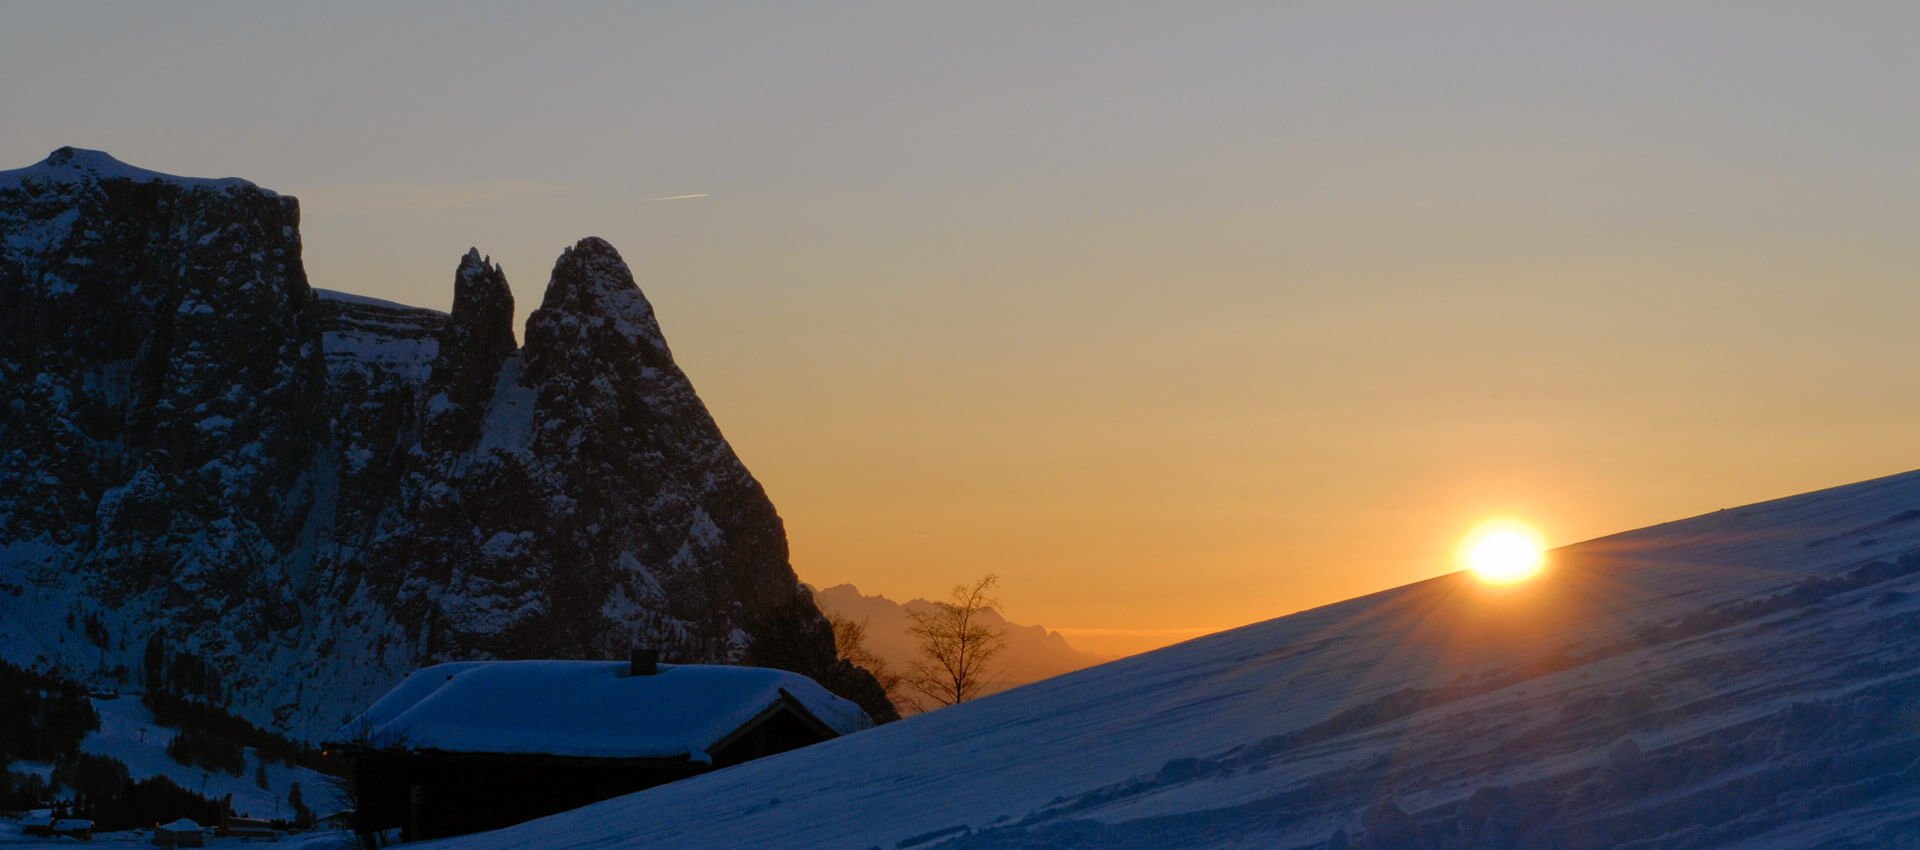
1032 652
306 494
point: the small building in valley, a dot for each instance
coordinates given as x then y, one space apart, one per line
239 827
79 828
469 746
37 825
181 833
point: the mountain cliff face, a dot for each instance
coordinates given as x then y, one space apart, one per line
314 493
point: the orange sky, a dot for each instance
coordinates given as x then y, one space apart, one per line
1175 317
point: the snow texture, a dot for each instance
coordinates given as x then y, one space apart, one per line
373 336
380 304
1747 678
590 709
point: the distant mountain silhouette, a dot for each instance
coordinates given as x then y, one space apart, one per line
1033 653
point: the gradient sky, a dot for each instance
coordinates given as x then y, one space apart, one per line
1177 318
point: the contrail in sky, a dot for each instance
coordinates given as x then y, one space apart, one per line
679 197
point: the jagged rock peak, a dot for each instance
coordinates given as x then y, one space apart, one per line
478 336
473 265
592 287
481 325
80 165
480 292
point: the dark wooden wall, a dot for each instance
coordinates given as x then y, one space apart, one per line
434 795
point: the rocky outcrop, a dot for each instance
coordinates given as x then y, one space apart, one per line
476 340
162 391
317 492
595 503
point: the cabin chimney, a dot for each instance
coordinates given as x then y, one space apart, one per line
643 662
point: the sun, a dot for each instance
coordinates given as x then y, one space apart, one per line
1503 551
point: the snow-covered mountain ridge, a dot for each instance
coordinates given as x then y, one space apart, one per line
1747 678
317 493
77 166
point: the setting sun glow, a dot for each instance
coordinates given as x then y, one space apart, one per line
1503 552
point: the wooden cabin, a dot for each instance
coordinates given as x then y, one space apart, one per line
181 833
465 747
239 827
37 825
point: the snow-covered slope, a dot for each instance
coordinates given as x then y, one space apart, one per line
129 732
1746 678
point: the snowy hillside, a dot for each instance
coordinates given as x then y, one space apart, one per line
128 732
1745 678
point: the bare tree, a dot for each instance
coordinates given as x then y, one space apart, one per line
850 642
956 644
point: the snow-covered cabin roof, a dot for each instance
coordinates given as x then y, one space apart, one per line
181 825
589 709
